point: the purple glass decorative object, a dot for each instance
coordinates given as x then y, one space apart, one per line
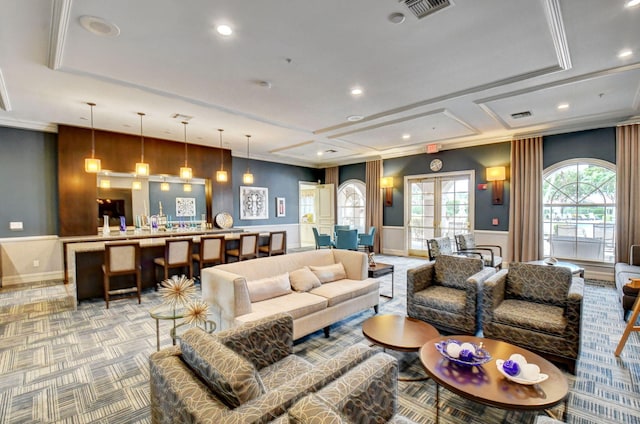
123 224
510 367
466 355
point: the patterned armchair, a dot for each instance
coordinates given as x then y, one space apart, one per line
537 307
467 242
444 293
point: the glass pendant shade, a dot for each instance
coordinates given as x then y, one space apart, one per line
92 165
136 185
221 176
247 178
186 173
187 187
142 169
164 186
105 183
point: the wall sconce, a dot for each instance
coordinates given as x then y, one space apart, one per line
497 175
386 183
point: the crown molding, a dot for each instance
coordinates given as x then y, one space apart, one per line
5 104
60 15
49 127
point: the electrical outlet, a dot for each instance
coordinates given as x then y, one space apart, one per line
494 221
36 263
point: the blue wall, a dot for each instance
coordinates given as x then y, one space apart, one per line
281 180
28 171
168 199
596 144
356 171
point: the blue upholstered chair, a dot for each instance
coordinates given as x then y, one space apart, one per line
366 240
347 239
337 228
322 240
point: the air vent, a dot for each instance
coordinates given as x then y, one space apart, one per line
519 115
331 151
181 117
422 8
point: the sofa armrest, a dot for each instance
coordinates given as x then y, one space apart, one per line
228 294
573 309
420 278
356 264
262 342
493 291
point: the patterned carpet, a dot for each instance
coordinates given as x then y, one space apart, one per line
90 365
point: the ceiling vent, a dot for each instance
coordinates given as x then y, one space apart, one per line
182 117
519 115
422 8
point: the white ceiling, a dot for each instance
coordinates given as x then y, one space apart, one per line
452 78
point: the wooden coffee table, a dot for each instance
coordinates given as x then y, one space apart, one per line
485 384
399 333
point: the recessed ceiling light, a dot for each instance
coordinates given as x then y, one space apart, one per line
625 53
354 118
632 3
396 18
320 153
563 106
99 26
356 91
406 136
224 30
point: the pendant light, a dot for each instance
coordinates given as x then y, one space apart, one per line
185 172
136 185
247 178
221 175
164 186
92 164
142 168
186 188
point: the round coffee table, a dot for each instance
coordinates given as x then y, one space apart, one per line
399 333
485 384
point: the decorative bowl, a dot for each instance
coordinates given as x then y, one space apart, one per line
480 357
541 377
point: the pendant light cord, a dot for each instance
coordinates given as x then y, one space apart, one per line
185 143
248 156
221 155
93 134
141 138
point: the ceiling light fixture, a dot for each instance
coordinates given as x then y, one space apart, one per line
396 18
92 164
224 30
99 26
247 178
221 175
632 3
623 54
142 168
185 172
164 185
354 118
356 91
406 136
563 106
104 183
136 185
187 187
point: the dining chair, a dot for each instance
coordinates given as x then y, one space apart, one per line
277 244
347 239
121 259
212 251
322 240
366 240
247 247
177 254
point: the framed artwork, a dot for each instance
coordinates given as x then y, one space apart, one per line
254 202
185 206
281 208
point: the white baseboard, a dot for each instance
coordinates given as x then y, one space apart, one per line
14 280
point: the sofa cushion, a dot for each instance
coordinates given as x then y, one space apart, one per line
329 273
269 287
518 313
303 279
283 371
311 409
343 290
231 377
297 304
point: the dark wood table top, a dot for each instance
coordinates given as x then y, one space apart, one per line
397 332
485 384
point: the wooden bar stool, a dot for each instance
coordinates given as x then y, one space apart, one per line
212 251
177 254
247 247
122 258
277 244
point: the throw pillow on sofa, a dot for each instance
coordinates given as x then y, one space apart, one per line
303 280
269 287
232 378
329 273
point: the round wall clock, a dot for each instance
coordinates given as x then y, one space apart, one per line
435 165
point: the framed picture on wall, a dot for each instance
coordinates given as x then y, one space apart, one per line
281 208
254 202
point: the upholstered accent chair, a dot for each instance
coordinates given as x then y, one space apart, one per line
347 239
439 246
491 253
537 307
444 293
367 240
322 240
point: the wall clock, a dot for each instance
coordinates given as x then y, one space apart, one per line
435 165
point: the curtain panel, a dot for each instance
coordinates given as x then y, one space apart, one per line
627 189
373 208
332 176
525 209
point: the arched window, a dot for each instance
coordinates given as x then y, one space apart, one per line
351 204
579 210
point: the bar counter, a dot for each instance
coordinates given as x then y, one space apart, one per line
83 256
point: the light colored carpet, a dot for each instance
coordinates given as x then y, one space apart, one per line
90 365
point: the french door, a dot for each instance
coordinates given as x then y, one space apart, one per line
438 205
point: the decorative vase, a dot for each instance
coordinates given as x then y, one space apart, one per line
105 226
123 224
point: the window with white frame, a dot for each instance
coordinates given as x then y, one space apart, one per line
351 204
579 210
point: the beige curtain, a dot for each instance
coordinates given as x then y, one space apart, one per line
373 209
332 176
627 189
525 206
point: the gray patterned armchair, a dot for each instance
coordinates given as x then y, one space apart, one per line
444 293
537 307
247 374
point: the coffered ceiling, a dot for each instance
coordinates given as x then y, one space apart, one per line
453 78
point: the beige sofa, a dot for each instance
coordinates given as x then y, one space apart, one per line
246 291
